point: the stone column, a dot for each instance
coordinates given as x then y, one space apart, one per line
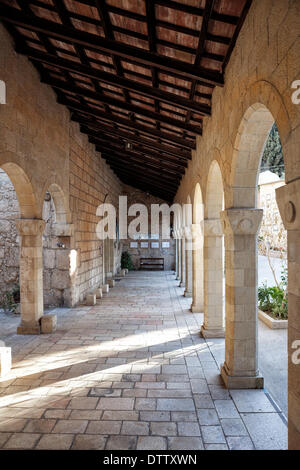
197 262
178 277
188 263
31 275
288 200
182 260
240 369
213 323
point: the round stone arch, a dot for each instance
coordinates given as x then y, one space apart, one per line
198 212
263 106
214 198
62 211
24 190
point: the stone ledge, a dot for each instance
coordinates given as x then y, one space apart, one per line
271 322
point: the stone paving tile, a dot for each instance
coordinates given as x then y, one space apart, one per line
226 409
135 428
185 443
212 434
152 443
163 429
188 429
252 401
22 441
121 415
131 372
266 430
55 442
121 443
39 425
234 427
175 404
208 417
88 442
72 426
104 427
240 443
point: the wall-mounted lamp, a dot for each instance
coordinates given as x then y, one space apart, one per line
61 245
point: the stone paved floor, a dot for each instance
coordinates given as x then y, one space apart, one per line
129 373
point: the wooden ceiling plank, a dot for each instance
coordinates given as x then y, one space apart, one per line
112 79
86 39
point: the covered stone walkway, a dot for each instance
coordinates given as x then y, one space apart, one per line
129 373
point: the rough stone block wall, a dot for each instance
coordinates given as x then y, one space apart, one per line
9 242
40 146
136 196
91 183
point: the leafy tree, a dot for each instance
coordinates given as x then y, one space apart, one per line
272 158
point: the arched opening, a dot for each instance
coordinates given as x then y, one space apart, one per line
214 281
197 253
188 219
19 228
255 178
59 263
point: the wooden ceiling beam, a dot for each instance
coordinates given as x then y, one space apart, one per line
89 40
143 177
174 164
137 157
184 155
106 99
115 80
130 165
147 131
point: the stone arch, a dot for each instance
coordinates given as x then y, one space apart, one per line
214 200
197 205
24 190
263 106
62 212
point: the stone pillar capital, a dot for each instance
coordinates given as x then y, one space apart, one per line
288 201
30 227
213 228
241 221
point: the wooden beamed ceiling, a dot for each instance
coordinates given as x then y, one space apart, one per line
136 75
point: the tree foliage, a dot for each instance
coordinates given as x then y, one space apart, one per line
272 158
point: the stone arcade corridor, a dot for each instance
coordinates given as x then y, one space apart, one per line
129 373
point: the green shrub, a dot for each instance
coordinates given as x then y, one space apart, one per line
126 261
274 300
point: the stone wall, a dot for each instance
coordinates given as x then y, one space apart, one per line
41 149
9 242
91 182
272 229
135 196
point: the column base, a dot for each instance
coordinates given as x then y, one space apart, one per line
177 278
212 332
197 308
33 328
188 293
182 284
241 382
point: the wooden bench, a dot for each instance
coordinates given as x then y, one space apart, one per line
152 263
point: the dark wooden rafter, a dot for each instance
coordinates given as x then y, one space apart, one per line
183 155
137 77
144 131
98 43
